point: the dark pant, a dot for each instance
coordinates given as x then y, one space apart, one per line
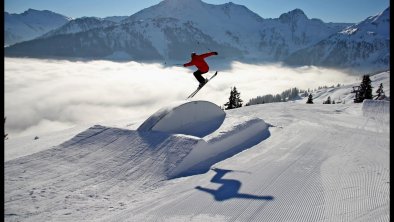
198 76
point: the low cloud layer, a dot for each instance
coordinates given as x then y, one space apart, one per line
48 95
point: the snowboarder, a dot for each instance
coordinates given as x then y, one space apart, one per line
202 66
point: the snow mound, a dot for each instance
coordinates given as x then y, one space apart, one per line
196 118
377 109
227 141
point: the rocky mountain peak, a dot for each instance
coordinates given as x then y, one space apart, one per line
293 16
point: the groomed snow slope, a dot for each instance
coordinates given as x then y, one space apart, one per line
106 159
379 110
285 162
320 163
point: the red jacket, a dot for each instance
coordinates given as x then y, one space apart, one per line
199 62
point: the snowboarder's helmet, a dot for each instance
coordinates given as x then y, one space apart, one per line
193 54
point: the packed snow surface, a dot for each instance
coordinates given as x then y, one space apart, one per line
377 109
269 162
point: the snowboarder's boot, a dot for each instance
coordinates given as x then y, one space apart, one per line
203 83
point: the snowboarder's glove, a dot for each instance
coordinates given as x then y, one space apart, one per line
215 53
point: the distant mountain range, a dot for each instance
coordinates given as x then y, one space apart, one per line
33 24
30 25
172 29
364 45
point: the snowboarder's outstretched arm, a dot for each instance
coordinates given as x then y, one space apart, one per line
208 54
188 64
199 59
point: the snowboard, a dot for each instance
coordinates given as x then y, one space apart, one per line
200 87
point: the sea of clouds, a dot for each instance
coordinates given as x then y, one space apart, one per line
43 95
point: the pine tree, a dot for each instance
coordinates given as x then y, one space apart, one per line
328 101
357 97
234 100
368 88
380 92
365 90
310 99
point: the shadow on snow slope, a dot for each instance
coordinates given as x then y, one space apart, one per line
229 188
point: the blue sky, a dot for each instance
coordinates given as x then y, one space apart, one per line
327 10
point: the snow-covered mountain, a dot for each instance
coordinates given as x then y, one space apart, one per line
293 31
272 162
365 45
175 28
30 24
96 43
228 25
80 25
237 26
172 29
116 19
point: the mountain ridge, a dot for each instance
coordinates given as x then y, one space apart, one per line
30 24
365 45
175 28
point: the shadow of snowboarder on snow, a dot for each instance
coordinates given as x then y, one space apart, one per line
229 188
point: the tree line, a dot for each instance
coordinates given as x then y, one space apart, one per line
364 91
287 95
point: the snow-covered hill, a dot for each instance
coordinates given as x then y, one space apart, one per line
30 24
277 162
365 45
343 94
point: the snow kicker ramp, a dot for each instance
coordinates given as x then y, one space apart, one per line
201 119
197 118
